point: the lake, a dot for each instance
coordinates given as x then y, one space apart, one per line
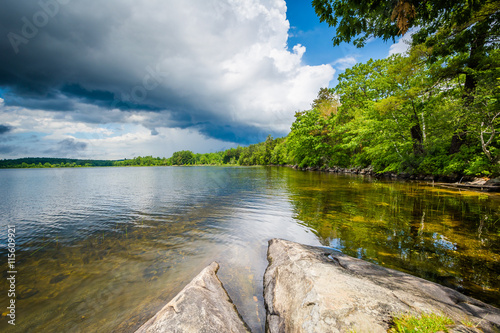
103 249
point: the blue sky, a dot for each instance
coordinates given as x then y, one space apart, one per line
123 78
316 36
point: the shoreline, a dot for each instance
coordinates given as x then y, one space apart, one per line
318 289
481 184
457 182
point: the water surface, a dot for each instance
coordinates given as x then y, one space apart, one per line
102 249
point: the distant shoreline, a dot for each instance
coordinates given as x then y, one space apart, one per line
462 181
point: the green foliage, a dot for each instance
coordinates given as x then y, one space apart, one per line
279 155
209 158
400 114
425 323
232 155
183 157
44 162
308 139
143 161
437 109
457 20
315 135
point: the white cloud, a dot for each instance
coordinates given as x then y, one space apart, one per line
113 141
345 62
243 71
54 125
402 45
139 141
220 63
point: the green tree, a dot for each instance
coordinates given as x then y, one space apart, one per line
269 145
361 20
232 155
279 155
465 32
183 157
308 139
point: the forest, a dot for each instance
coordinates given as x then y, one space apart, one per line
47 162
434 110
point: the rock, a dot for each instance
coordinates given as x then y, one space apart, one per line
477 181
313 289
27 293
493 182
59 278
202 306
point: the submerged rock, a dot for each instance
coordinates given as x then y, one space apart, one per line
313 289
493 182
58 278
202 306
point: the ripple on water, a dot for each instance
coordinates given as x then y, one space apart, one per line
102 249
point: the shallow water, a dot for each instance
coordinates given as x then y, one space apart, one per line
102 249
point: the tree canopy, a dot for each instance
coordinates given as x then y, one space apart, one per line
455 43
364 19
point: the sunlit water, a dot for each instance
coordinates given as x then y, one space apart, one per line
103 249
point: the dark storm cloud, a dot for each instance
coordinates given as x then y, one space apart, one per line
197 62
7 149
241 134
45 51
49 102
71 145
67 147
5 129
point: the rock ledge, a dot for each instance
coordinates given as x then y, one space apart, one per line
313 289
202 306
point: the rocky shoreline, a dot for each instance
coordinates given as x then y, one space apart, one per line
202 306
388 175
316 289
457 181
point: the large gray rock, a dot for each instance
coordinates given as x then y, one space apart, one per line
202 306
493 182
312 289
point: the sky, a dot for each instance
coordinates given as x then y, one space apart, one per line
121 78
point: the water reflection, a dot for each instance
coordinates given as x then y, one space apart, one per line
104 249
444 236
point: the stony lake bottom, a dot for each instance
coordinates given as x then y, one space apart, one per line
103 249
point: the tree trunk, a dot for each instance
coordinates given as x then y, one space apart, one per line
476 49
417 135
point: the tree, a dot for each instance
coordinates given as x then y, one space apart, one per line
465 31
378 116
279 155
232 155
398 116
326 102
269 145
183 157
364 19
309 141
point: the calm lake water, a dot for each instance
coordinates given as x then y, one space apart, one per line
102 249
